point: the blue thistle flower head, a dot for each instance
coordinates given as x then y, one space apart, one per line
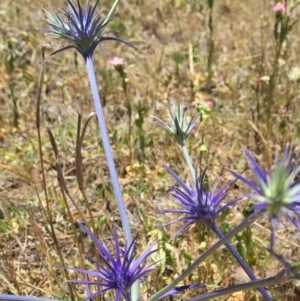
81 28
198 204
178 124
277 191
116 271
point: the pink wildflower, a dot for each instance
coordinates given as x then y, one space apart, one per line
116 61
208 102
280 7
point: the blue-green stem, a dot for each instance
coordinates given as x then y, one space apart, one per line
6 297
111 164
279 278
282 277
135 292
246 222
188 160
108 152
242 263
219 233
109 15
112 10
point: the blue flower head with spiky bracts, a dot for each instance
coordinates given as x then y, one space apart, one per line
198 204
82 28
117 272
277 192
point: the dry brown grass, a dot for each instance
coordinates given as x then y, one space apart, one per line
244 48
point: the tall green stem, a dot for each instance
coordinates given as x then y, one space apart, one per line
188 161
207 253
241 262
239 287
